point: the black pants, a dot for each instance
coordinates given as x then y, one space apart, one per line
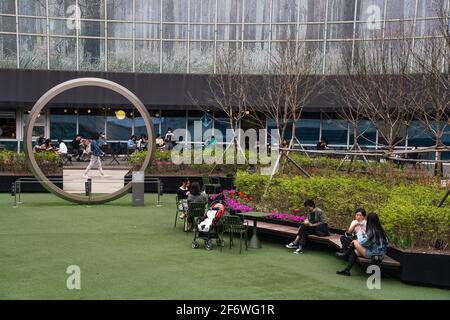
304 231
346 241
77 154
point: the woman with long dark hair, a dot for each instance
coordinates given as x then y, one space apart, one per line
371 244
195 196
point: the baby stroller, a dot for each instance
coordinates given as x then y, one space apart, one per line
208 227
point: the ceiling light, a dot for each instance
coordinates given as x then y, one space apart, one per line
120 114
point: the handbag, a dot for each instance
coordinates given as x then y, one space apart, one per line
378 258
322 230
351 236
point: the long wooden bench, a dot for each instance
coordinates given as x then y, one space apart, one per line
332 240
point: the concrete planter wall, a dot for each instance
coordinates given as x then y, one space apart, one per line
430 269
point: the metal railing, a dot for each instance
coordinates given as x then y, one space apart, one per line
16 187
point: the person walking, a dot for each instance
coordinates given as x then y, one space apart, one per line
169 139
96 153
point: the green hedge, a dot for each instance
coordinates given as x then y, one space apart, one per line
412 218
162 162
386 172
14 162
409 213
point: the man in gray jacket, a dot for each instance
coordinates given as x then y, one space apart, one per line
313 224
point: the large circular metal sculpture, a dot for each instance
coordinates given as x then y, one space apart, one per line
47 97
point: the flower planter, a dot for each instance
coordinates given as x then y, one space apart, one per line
424 268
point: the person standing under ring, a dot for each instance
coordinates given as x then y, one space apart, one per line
95 156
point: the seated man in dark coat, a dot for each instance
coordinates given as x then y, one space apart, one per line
313 224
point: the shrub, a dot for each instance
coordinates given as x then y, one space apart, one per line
412 219
339 196
49 162
408 212
14 162
386 172
162 162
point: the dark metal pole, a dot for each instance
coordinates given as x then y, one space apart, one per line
445 198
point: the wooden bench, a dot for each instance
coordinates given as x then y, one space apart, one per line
332 240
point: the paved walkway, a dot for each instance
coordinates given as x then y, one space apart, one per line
74 182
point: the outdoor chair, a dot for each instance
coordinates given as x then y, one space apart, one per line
211 185
195 210
233 224
114 150
66 158
178 204
130 151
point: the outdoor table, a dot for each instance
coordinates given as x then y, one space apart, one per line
254 241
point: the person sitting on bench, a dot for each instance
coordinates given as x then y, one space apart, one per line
359 224
371 244
313 224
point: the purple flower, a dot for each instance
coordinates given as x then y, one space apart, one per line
285 217
231 203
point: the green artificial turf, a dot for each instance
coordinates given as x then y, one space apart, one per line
127 252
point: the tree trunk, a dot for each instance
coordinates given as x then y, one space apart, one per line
438 172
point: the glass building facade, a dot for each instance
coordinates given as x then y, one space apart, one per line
187 36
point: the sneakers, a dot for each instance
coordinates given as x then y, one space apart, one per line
343 273
291 246
85 176
105 175
299 250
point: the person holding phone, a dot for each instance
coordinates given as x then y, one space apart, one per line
357 225
313 224
371 244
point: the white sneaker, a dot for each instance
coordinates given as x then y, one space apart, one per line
299 250
85 176
291 246
105 175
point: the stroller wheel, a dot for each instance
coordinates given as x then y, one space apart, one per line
220 243
195 245
208 245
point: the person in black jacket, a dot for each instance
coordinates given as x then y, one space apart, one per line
313 224
77 151
322 144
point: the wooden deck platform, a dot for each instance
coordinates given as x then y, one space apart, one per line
332 240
